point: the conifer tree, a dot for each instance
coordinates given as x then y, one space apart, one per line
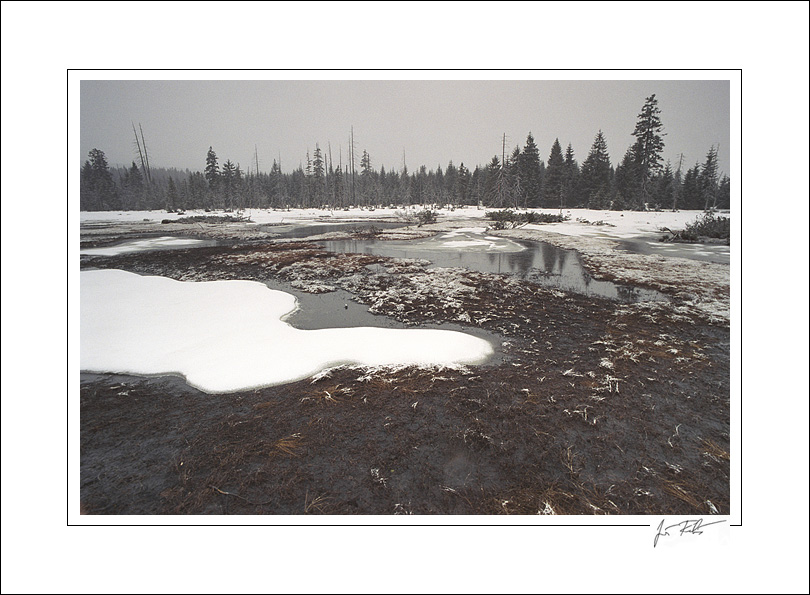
366 178
555 174
318 174
492 182
211 169
691 191
229 181
530 173
132 188
677 183
595 174
708 180
627 181
462 185
513 191
724 193
664 187
570 189
450 183
97 189
647 149
171 195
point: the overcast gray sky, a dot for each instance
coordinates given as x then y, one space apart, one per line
432 122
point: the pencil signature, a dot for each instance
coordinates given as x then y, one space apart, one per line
692 526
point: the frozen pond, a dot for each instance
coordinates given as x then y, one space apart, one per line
291 230
718 253
473 249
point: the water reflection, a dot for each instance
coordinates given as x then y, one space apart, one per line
301 230
537 262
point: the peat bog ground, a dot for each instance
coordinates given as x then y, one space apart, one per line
596 407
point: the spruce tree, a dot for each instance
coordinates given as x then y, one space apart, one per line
595 173
677 183
492 194
513 194
171 195
664 188
476 187
462 185
570 189
405 186
278 194
366 179
450 183
724 193
132 188
317 164
365 164
318 174
530 173
627 181
97 189
229 181
555 175
708 180
211 169
647 149
691 192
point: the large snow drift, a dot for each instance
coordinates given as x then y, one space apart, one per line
226 336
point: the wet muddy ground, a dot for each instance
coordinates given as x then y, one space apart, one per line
595 407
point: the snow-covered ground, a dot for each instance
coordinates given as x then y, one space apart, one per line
582 222
472 238
617 224
703 287
225 336
698 273
141 245
260 216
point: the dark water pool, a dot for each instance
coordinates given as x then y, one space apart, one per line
337 309
304 230
538 262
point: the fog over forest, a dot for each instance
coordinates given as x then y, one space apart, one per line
519 176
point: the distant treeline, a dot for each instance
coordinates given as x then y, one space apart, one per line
518 179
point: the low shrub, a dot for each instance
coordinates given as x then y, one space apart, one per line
509 219
210 219
426 216
709 225
368 232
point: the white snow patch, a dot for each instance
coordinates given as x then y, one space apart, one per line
465 243
474 238
464 230
225 336
617 224
141 245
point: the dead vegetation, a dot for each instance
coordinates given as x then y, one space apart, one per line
699 289
599 408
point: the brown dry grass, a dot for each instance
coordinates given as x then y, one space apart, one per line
516 438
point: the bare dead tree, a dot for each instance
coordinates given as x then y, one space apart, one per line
140 152
329 170
146 155
351 156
